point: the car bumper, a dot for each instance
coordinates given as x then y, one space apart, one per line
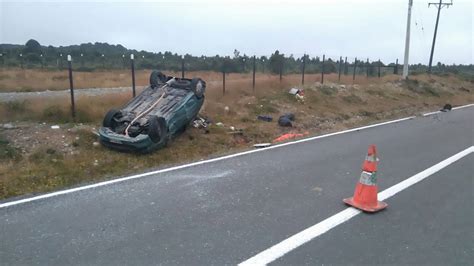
140 143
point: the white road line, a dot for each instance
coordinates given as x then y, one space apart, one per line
463 106
454 108
118 180
291 243
432 113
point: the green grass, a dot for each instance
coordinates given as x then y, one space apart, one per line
262 107
7 152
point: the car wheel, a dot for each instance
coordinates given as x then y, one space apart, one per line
157 78
181 84
199 87
157 129
109 118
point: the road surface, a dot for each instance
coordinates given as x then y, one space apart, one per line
227 211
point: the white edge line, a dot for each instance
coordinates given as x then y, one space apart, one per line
104 183
431 113
463 106
454 108
293 242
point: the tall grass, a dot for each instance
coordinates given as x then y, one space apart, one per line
89 109
40 80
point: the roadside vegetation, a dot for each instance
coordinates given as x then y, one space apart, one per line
92 57
36 158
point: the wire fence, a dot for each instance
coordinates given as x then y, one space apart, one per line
275 63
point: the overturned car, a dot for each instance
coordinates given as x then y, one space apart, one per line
150 120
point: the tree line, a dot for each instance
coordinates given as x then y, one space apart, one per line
94 56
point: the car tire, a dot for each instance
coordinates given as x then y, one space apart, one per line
181 84
157 130
109 119
199 87
157 78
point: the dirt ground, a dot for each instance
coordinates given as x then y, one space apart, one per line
36 157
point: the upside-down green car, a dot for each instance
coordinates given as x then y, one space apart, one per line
159 113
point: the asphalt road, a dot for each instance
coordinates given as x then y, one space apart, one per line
227 211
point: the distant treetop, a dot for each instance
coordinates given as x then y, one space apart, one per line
32 46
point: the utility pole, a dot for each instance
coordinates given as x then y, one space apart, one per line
407 41
439 6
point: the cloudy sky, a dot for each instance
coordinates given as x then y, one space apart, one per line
358 28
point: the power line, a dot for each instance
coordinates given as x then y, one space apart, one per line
439 5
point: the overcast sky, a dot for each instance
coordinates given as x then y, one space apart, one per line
362 28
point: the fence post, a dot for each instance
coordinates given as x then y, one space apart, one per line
21 61
304 66
182 66
355 66
71 87
281 69
322 70
223 82
42 61
367 70
340 66
345 66
253 76
132 60
379 69
395 70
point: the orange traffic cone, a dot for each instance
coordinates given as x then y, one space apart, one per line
365 194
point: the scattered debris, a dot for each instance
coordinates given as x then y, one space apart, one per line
55 127
201 122
262 145
94 131
300 97
447 107
285 120
294 91
219 124
232 128
226 109
298 93
289 136
8 126
95 144
236 132
265 118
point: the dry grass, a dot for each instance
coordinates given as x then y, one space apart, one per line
31 169
40 80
